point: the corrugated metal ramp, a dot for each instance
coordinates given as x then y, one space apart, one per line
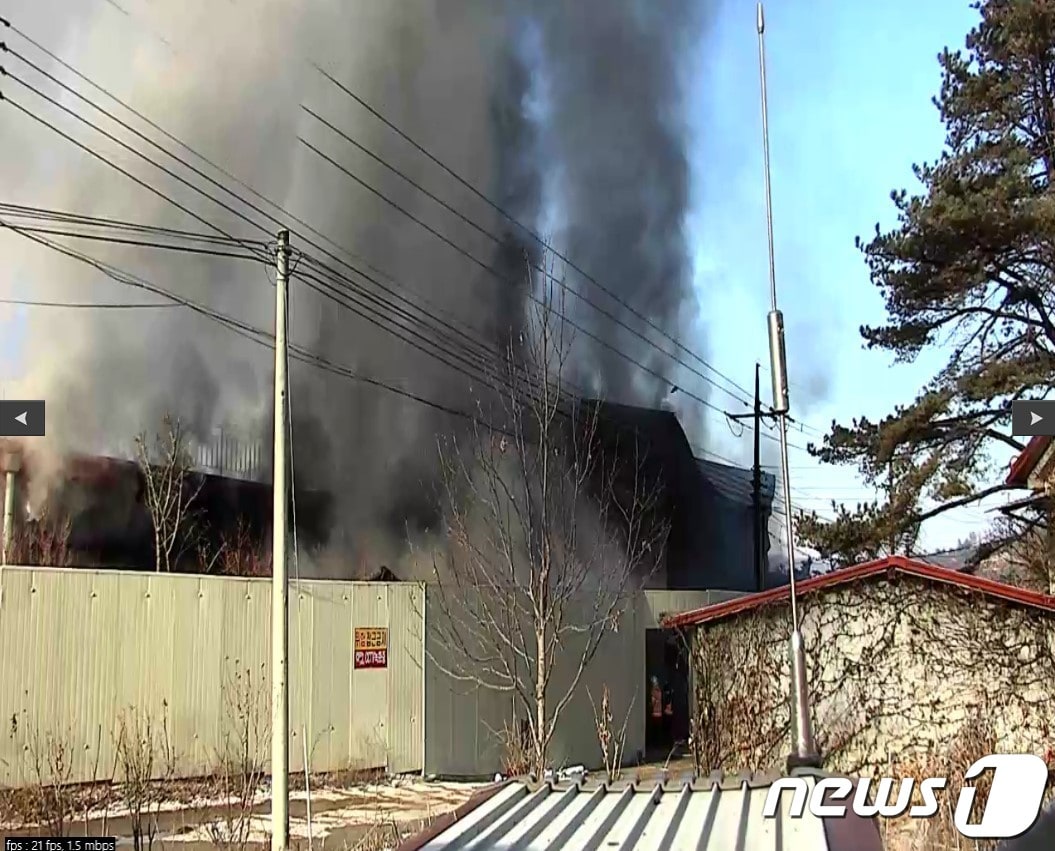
715 813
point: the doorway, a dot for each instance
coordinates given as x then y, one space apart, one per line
666 665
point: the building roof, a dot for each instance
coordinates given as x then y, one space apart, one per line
736 483
889 567
1028 459
957 558
713 813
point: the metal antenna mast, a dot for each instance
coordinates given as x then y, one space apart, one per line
804 750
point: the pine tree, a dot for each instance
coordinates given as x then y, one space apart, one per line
969 268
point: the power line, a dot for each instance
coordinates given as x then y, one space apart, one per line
271 203
495 273
124 145
244 329
167 171
83 77
514 221
235 195
498 241
198 172
212 252
69 218
84 304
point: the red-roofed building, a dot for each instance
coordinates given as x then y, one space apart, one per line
1034 467
911 665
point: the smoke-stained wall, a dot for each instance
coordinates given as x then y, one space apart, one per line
568 115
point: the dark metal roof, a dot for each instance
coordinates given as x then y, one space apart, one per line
718 812
736 483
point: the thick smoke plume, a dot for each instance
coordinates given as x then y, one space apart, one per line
567 114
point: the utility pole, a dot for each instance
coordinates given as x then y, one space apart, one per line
757 416
756 484
279 582
803 750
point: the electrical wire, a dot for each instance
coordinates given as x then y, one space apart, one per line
516 222
69 218
498 241
250 332
241 215
489 357
227 174
322 290
213 165
141 243
222 204
124 145
83 304
263 337
497 274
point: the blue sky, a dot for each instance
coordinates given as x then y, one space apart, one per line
850 88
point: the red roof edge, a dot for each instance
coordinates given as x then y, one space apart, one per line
1026 461
892 565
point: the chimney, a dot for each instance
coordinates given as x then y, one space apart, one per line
10 464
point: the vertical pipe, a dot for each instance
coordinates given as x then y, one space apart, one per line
9 515
804 751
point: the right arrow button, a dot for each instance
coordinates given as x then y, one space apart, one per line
1032 417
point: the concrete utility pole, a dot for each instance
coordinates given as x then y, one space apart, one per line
756 416
279 582
804 751
756 484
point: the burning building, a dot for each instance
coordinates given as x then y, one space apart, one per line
92 511
565 120
98 504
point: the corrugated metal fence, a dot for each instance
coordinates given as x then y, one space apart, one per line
87 654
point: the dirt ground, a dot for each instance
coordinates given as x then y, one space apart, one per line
365 817
353 813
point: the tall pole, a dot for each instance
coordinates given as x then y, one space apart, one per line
804 751
279 586
756 485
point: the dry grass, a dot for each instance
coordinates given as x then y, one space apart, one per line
517 752
242 757
611 739
976 739
146 765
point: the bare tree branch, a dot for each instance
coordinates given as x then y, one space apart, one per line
548 533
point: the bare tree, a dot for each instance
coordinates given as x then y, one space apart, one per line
550 527
611 739
1020 548
170 489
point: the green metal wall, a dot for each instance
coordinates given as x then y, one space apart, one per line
82 649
